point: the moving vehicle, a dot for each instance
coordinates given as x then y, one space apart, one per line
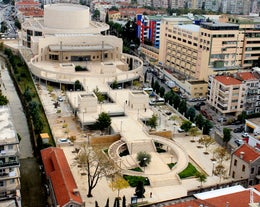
159 101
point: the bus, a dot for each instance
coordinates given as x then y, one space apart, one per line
156 102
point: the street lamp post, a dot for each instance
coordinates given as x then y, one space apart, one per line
144 160
213 167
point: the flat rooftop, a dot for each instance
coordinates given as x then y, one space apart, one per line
8 133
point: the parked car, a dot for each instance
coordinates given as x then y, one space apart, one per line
238 130
239 142
236 122
245 135
256 133
64 141
222 119
60 99
180 130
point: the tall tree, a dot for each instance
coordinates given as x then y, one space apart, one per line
103 121
118 183
139 190
191 114
186 125
199 121
221 154
206 140
95 164
206 127
183 106
143 158
152 122
194 131
226 135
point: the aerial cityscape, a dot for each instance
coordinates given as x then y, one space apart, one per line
130 103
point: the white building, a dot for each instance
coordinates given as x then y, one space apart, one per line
9 161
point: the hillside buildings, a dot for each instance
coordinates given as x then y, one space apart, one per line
9 158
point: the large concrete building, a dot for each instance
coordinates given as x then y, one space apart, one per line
194 52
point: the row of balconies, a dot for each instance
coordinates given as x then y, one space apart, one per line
10 163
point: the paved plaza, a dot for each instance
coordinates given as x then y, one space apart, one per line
158 166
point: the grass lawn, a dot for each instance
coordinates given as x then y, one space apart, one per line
188 172
171 165
133 180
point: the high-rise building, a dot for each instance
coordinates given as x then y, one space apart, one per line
149 29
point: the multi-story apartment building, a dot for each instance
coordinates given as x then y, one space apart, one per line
9 162
235 93
149 28
245 164
226 94
252 100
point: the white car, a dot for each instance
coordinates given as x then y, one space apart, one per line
64 141
60 99
180 130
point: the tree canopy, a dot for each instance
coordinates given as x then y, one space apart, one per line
95 164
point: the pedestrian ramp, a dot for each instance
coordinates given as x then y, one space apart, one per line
141 146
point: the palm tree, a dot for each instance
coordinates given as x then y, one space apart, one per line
201 177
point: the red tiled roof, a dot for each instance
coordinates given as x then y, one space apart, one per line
113 12
247 76
28 2
257 187
239 199
250 154
192 203
227 80
33 12
58 170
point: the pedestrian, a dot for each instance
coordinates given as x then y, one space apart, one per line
144 109
151 194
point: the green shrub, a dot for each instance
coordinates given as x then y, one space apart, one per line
171 165
133 180
137 169
188 172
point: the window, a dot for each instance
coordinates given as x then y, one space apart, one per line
252 170
235 162
233 174
243 168
2 183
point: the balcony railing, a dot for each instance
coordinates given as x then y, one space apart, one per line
8 164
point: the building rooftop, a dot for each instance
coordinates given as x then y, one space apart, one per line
190 27
227 80
58 170
247 76
249 153
8 133
234 199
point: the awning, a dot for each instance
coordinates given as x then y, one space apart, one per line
250 125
